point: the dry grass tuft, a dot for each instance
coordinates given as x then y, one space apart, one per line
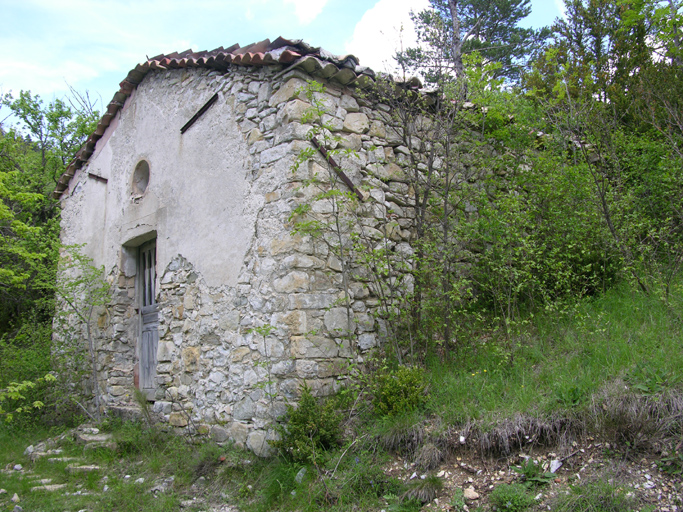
637 421
401 435
428 457
425 490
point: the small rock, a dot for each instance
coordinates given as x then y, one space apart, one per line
140 481
17 508
555 465
414 475
18 467
300 475
105 488
15 498
462 439
3 491
29 450
470 494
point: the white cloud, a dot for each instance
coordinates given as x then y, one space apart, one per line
382 31
561 7
307 10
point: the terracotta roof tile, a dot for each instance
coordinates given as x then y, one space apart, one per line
292 53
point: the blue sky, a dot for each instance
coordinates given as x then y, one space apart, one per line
91 44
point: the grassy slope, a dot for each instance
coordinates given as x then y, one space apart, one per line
560 368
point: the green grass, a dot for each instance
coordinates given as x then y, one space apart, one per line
596 496
561 365
562 360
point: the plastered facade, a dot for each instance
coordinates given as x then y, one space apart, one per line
218 203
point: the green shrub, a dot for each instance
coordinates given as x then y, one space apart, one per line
399 391
310 429
511 498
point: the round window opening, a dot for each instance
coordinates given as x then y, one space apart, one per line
140 177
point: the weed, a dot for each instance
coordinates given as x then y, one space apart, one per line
648 379
398 391
532 474
511 497
457 501
570 396
671 464
310 429
597 496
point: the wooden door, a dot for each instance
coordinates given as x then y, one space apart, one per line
149 317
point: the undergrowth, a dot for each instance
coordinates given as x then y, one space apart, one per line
563 360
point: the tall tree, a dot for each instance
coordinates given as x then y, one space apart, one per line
451 29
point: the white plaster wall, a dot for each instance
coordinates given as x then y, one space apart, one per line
196 200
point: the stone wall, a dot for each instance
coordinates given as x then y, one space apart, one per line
212 366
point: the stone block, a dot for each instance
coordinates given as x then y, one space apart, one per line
287 91
117 390
311 300
377 130
219 434
323 387
190 357
162 407
351 141
257 442
295 110
244 410
255 135
338 323
177 419
365 322
301 261
239 353
366 341
293 282
282 367
230 321
306 369
238 433
292 321
291 388
305 347
165 351
275 153
285 245
332 368
349 103
356 123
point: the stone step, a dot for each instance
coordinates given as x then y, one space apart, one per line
82 438
72 468
49 488
107 445
63 459
34 456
